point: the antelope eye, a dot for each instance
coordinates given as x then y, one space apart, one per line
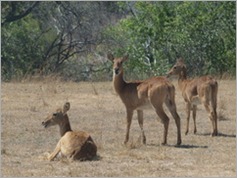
175 67
54 114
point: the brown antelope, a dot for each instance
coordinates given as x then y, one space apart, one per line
203 89
74 145
140 95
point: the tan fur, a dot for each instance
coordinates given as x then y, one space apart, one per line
198 90
74 145
139 95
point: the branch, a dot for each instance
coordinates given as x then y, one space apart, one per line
131 9
11 17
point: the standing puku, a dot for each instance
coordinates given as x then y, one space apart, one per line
139 95
203 89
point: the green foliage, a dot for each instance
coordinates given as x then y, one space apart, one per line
22 46
39 37
72 38
203 33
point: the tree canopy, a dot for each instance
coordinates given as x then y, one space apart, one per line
73 38
157 33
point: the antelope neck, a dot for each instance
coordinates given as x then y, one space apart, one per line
65 126
119 82
181 80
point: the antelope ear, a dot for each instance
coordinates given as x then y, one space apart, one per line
66 107
125 58
110 57
184 67
180 60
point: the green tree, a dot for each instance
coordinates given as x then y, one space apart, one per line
156 33
22 47
42 37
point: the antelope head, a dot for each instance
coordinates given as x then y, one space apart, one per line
58 117
117 63
178 69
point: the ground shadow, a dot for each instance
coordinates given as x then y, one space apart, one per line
190 146
226 135
218 135
180 146
96 158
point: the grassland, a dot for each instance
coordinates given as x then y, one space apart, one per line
96 108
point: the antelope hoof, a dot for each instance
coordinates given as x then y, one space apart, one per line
163 143
125 142
49 158
186 133
144 141
179 142
214 134
195 131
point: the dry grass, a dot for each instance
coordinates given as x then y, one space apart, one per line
96 108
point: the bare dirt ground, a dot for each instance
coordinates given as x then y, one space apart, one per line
96 108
